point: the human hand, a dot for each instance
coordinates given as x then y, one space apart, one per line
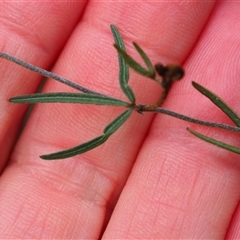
151 179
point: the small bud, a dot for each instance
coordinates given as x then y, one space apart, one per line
174 71
171 71
161 70
169 74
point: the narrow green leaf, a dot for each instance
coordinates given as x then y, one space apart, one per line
76 150
82 148
119 41
123 67
219 103
145 59
62 97
129 93
132 63
116 123
215 142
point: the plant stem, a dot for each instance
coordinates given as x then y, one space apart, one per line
144 108
48 74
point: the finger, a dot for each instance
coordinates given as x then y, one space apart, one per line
233 230
181 187
35 32
84 186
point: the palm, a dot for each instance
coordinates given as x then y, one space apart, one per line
179 187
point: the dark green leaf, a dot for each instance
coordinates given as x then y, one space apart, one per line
76 150
123 67
110 129
215 142
132 63
119 41
218 102
116 123
129 93
145 59
62 97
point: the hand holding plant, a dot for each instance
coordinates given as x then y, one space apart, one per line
169 74
179 186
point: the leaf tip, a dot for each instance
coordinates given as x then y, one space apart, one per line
45 157
196 85
13 100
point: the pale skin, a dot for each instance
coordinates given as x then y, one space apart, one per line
151 179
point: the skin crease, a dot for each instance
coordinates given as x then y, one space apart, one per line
151 179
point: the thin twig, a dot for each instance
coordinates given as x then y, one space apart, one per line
143 108
140 107
48 74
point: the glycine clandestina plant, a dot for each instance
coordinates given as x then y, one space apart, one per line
163 75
